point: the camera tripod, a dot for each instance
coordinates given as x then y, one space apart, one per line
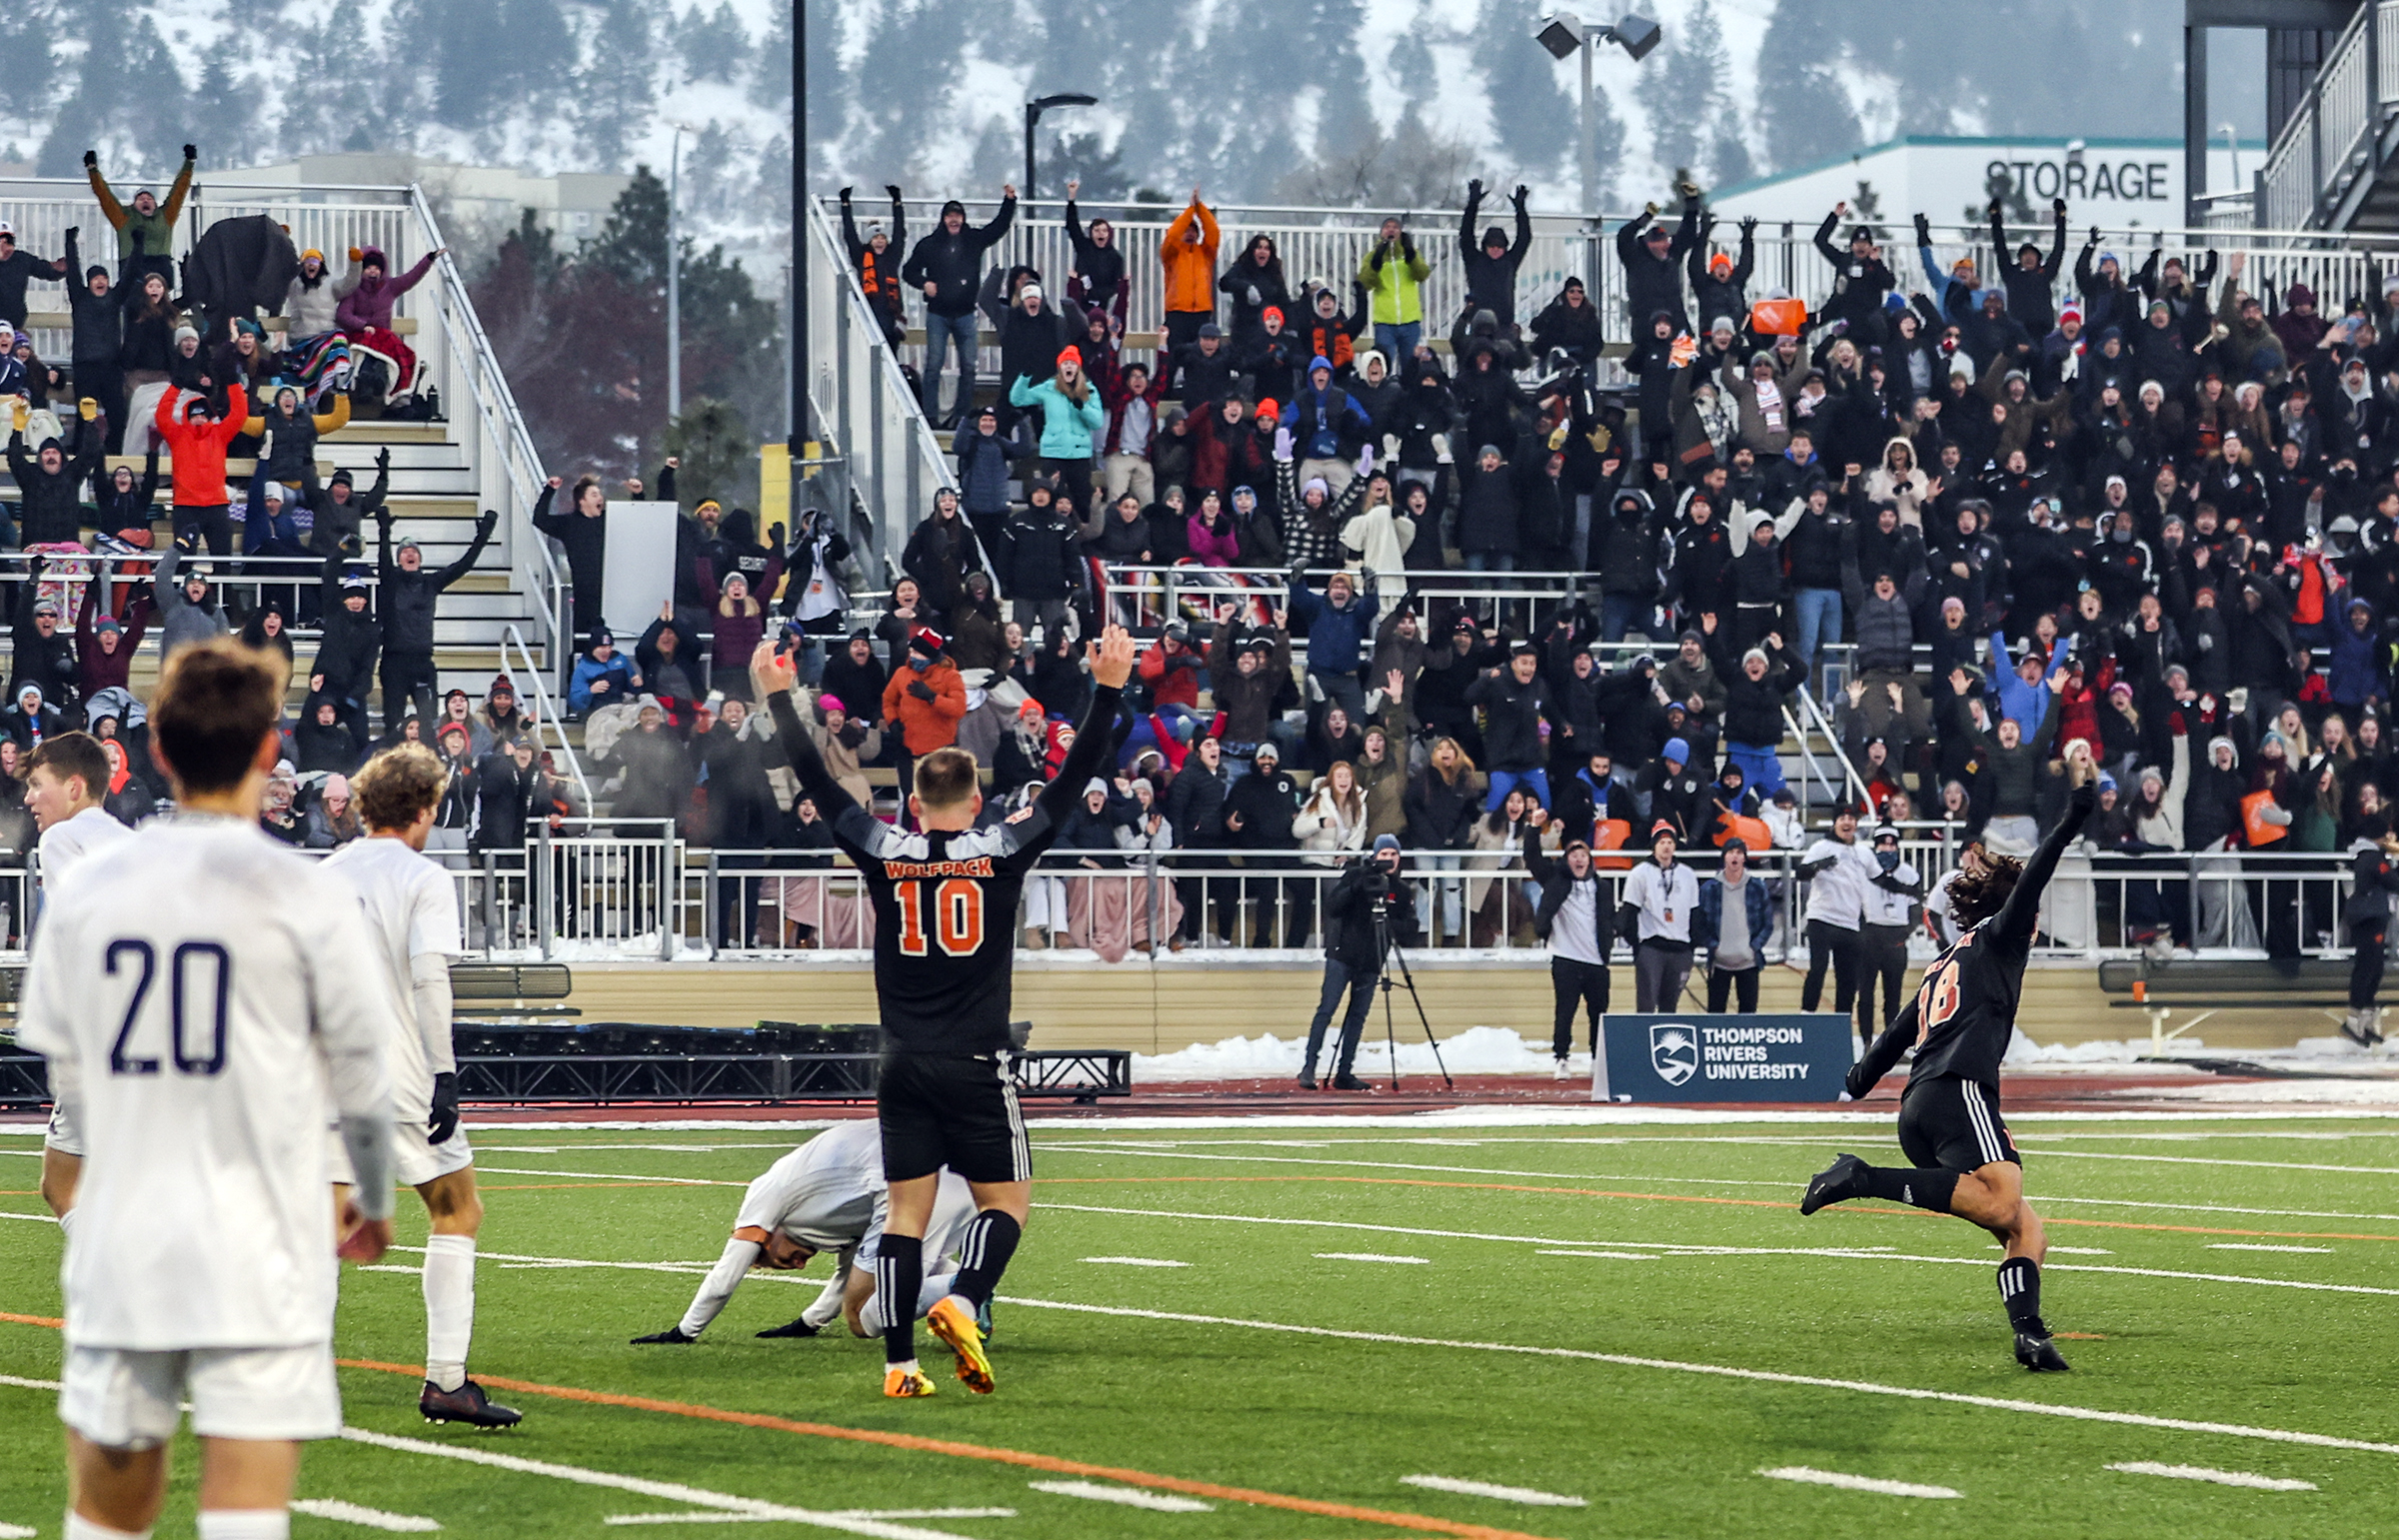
1386 948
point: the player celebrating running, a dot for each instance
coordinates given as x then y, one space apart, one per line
1960 1022
827 1195
193 990
945 943
412 916
63 782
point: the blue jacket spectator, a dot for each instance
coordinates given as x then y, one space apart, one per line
983 456
1327 423
602 676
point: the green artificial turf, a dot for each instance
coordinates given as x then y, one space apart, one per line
1653 1449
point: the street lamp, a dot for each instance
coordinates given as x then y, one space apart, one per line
675 274
1565 36
1033 116
2232 147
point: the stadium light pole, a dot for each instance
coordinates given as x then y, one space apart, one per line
1565 36
1032 117
795 430
674 272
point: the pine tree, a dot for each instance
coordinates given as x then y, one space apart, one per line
713 45
1693 94
1799 89
1536 115
616 86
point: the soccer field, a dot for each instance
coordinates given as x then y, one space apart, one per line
1336 1330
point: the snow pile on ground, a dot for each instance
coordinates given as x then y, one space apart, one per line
1479 1050
2024 1053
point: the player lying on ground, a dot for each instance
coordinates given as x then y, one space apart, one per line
827 1195
945 947
194 991
411 914
1959 1024
63 782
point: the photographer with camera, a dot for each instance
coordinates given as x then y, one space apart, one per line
1370 906
1576 916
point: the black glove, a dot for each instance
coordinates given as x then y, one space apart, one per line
673 1334
846 192
1522 192
489 522
191 152
1475 188
444 1122
383 458
2057 205
894 189
91 158
774 537
1923 231
921 691
1748 224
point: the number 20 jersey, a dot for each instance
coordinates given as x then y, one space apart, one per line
1966 1007
944 925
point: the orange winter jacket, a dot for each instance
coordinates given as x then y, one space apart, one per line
926 725
1191 268
198 447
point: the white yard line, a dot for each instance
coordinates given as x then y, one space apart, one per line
1725 1371
36 1219
17 1532
371 1518
1529 1496
1129 1496
631 1177
1616 1256
2219 1477
1137 1261
2254 1165
710 1516
2226 1245
668 1491
1671 1248
1848 1483
1373 1257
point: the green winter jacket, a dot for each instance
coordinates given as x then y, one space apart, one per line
1393 280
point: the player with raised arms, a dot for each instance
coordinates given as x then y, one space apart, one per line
64 780
412 917
827 1195
944 947
195 992
1960 1023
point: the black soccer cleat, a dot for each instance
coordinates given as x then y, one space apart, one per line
467 1404
1837 1182
2035 1351
798 1328
673 1334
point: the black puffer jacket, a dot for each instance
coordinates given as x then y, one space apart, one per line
953 263
408 599
52 505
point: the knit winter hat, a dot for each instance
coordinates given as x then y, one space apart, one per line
924 640
1676 750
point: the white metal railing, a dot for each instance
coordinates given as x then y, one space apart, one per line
2331 139
886 453
517 657
1329 242
491 433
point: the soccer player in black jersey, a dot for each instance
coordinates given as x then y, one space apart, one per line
945 943
1960 1023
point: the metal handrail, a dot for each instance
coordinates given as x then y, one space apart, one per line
1851 778
496 410
550 721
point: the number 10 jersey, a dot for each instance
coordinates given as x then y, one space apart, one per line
944 925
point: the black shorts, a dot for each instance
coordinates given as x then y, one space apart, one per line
1954 1125
960 1112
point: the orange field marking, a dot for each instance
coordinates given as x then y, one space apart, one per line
1687 1197
1424 1523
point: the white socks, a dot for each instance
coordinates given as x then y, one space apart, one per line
929 1293
449 1315
247 1523
80 1528
826 1306
66 1224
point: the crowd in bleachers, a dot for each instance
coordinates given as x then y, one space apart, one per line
2043 502
223 395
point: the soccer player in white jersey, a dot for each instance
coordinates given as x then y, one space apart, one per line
63 782
194 992
827 1195
412 917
